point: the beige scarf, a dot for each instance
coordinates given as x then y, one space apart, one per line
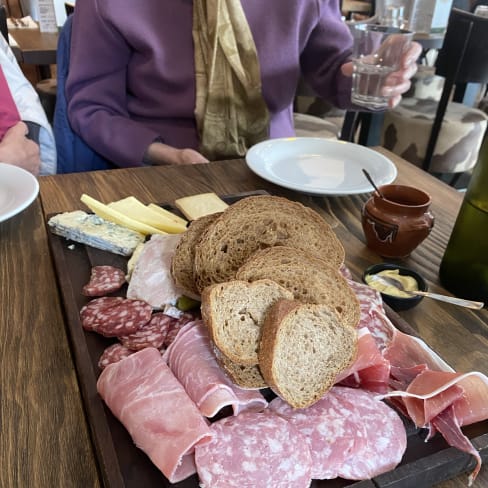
230 111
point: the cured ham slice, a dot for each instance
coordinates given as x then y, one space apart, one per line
349 432
258 450
193 362
151 278
370 370
142 392
444 401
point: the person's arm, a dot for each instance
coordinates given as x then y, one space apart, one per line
97 91
17 149
30 110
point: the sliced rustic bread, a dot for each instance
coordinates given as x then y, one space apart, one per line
303 347
260 222
234 312
246 377
184 256
311 280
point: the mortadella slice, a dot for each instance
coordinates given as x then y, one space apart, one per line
142 392
193 362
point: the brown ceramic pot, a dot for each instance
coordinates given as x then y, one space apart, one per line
395 225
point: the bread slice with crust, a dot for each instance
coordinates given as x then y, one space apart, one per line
184 256
234 313
303 348
259 222
311 280
245 377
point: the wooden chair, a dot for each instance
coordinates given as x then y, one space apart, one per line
445 136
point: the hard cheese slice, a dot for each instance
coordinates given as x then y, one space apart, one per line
131 207
196 206
117 217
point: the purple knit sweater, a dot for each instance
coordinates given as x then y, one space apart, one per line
131 77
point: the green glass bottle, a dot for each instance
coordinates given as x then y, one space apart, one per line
464 267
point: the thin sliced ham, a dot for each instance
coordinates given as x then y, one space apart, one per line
193 362
444 401
370 370
151 278
142 392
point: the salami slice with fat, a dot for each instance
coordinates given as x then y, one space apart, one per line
115 316
113 354
258 450
350 434
153 334
383 432
104 280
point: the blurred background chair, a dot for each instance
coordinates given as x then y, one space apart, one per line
444 135
3 22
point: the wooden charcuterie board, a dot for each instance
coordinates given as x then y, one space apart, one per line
123 465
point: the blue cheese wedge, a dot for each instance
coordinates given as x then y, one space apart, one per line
91 230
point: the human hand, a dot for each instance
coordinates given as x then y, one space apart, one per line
17 150
159 154
397 82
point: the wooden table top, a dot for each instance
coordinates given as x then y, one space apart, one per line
45 439
34 46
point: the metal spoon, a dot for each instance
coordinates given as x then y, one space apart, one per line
373 184
387 280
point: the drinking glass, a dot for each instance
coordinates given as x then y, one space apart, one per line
377 52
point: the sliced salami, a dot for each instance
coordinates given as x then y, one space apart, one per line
331 432
258 450
104 280
350 433
383 432
115 316
113 354
176 325
153 334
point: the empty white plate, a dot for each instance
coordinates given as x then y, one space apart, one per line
18 189
320 166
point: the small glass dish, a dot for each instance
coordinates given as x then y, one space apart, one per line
398 303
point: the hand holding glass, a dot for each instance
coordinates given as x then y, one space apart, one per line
377 52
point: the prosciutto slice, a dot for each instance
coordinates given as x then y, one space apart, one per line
370 370
151 278
444 401
193 362
142 392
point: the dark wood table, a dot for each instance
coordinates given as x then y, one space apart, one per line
35 47
45 439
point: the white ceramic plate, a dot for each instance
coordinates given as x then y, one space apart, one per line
319 166
18 189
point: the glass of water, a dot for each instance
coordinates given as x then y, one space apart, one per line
377 52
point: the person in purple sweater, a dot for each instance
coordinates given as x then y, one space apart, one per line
131 87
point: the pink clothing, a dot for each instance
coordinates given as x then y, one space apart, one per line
9 115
